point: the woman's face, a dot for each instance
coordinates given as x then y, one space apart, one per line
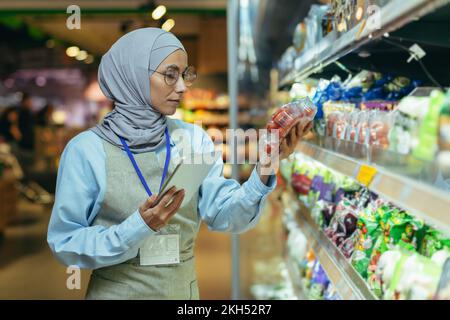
166 98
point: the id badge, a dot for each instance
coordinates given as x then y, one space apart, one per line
163 248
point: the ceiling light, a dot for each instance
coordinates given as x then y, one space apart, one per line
72 51
81 55
89 59
159 12
168 25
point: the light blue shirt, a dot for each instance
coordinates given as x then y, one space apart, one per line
224 205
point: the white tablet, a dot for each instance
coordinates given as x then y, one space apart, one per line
189 174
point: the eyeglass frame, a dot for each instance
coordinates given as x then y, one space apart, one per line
182 75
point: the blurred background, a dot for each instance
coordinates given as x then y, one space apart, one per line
49 93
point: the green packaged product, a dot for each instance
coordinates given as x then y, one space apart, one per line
414 277
367 232
433 241
397 228
429 128
286 168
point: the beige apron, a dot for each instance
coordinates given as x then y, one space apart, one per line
124 194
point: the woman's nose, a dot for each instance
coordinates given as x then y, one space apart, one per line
180 86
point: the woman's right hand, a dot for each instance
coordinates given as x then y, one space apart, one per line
157 216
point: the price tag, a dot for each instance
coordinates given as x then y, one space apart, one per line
366 174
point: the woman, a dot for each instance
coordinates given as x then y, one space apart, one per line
103 218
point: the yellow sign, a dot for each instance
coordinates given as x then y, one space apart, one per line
366 175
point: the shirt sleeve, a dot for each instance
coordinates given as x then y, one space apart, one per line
79 191
224 204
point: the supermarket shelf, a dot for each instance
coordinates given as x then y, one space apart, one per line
421 199
347 281
216 108
393 16
295 279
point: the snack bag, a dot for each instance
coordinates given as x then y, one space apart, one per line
331 120
406 119
343 224
378 105
367 232
314 190
340 125
351 131
379 126
398 228
385 270
429 128
434 241
362 129
415 278
319 283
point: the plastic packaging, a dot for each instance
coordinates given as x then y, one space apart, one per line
380 123
288 116
362 128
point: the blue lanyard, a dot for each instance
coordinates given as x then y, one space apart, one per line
138 171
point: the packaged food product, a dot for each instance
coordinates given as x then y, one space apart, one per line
385 270
301 183
427 145
340 126
367 232
327 187
398 228
406 119
332 119
299 37
286 168
343 223
443 291
433 241
415 277
333 106
444 125
314 190
297 245
362 128
379 105
379 126
289 115
319 283
352 126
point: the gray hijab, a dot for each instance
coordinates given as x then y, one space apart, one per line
124 77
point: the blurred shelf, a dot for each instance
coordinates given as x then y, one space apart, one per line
423 200
347 281
215 108
332 47
294 277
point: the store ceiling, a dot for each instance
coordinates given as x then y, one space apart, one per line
102 22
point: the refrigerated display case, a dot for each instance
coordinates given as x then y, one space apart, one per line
368 138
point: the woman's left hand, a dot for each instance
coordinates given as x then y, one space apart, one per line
288 144
287 147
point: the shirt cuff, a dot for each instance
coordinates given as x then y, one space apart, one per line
135 229
257 188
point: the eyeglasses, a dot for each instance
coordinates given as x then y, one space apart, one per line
173 73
